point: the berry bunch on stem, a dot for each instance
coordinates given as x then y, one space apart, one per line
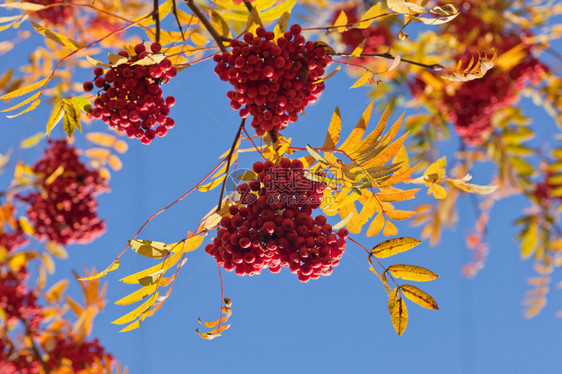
131 98
274 79
64 209
56 15
273 226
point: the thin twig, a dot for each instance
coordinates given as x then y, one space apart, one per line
208 25
175 13
229 159
156 17
390 56
34 346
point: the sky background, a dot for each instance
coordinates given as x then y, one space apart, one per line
334 324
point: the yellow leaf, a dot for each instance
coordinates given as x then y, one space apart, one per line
137 295
149 248
334 131
55 292
418 296
369 15
137 312
412 273
400 215
437 191
56 250
376 225
57 38
389 229
54 175
193 243
76 308
24 5
398 6
220 24
394 246
282 24
115 163
23 90
398 312
393 195
132 326
32 140
48 262
363 79
26 226
277 11
472 188
529 242
341 22
357 133
438 168
114 265
55 117
33 98
154 270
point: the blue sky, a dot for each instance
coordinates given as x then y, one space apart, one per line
335 324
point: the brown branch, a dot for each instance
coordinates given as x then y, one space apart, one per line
229 159
390 56
208 25
156 17
34 348
273 135
249 5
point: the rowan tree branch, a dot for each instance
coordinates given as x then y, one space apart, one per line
390 56
208 25
229 160
156 17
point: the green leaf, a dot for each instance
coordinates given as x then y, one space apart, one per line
394 246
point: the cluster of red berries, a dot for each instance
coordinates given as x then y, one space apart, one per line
131 98
56 15
274 80
273 226
82 355
64 210
376 36
17 302
543 191
13 240
14 362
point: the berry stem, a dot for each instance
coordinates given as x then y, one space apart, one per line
34 347
86 47
390 56
229 159
208 25
156 17
168 206
273 135
222 299
254 144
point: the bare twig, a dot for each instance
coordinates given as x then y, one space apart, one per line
229 159
248 5
390 56
208 25
175 13
34 348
